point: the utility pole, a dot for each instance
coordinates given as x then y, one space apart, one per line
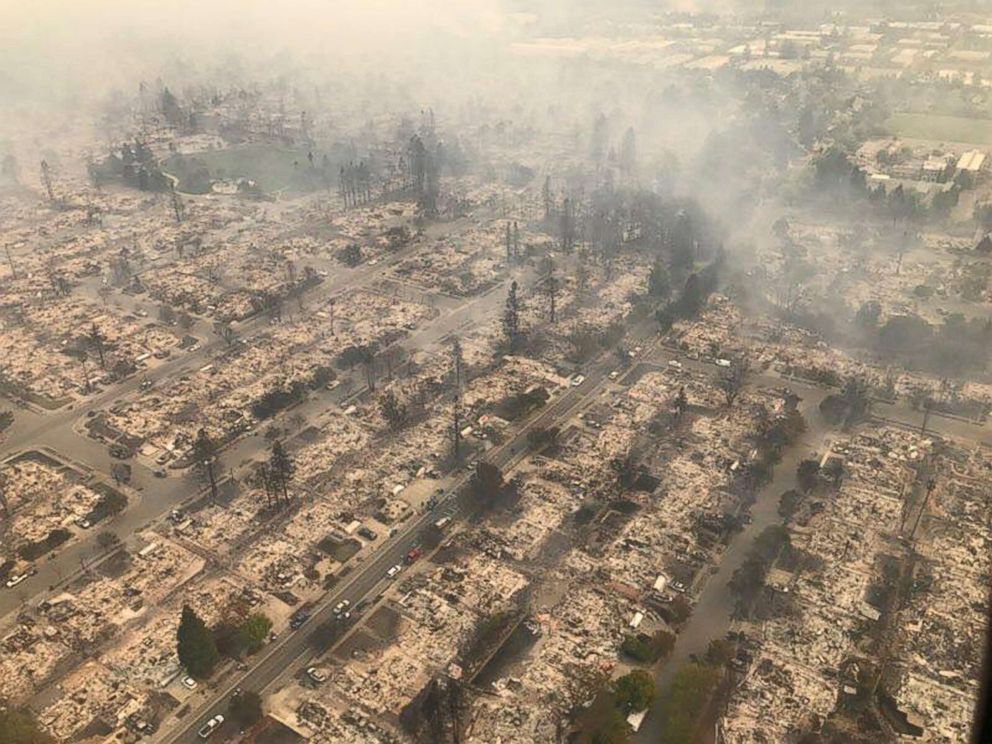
456 432
931 484
456 356
10 260
46 177
177 205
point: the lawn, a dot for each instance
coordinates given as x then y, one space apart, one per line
942 128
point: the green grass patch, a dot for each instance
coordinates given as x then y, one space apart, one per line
941 128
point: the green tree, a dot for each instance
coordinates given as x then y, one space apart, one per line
107 540
393 410
648 649
665 319
195 647
720 652
96 340
246 708
683 707
281 468
732 382
487 482
204 457
693 297
807 475
253 631
511 318
19 727
351 255
634 691
659 284
602 722
681 402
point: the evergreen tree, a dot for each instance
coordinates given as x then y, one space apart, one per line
195 644
659 285
281 467
393 410
205 459
511 318
96 338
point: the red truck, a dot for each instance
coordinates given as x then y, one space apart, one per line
413 555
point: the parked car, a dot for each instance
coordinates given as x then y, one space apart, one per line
392 572
367 533
210 726
318 676
189 683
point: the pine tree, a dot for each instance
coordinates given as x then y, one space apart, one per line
205 459
551 289
195 644
96 338
511 318
393 410
659 285
281 466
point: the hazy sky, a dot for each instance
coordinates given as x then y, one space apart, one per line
90 45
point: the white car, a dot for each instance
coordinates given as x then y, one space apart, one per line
392 572
341 606
189 683
675 364
722 362
614 374
578 380
210 726
317 675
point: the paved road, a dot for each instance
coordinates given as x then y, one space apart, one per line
292 651
156 496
